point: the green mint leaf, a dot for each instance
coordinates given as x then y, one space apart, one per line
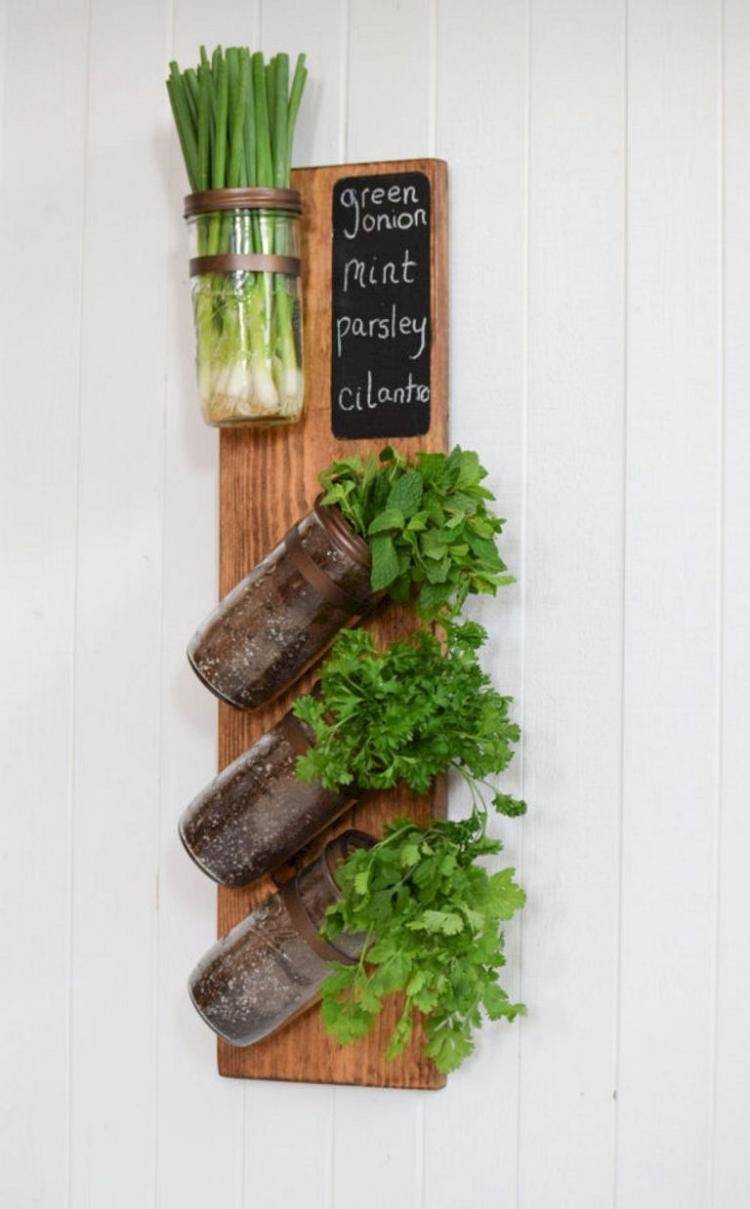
436 496
384 563
392 518
406 493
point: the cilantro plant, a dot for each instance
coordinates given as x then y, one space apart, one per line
407 714
427 522
433 916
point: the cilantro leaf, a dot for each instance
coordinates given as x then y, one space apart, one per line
434 937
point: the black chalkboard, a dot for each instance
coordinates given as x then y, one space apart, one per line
381 323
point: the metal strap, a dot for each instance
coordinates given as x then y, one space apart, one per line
255 262
306 928
294 733
316 576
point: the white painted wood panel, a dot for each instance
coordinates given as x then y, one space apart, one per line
573 588
118 615
731 1107
670 753
389 79
598 157
41 226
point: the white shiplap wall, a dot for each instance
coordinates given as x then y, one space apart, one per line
600 270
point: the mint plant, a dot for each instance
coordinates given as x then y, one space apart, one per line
427 520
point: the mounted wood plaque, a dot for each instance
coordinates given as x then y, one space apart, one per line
268 479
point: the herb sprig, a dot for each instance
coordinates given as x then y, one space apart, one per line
427 522
407 714
433 916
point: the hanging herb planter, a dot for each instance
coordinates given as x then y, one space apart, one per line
416 530
235 116
376 719
270 967
279 619
258 813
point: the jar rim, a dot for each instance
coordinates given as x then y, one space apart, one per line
256 198
341 532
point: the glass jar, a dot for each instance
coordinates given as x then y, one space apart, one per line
257 813
270 967
286 612
245 248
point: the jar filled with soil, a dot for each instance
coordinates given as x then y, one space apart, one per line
257 813
270 967
282 616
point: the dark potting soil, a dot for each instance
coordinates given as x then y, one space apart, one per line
257 813
275 623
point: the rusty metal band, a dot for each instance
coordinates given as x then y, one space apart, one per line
306 928
253 262
294 733
256 198
316 576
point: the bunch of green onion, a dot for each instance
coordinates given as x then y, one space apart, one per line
235 117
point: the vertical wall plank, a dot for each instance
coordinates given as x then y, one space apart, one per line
389 80
487 240
388 115
318 31
200 1116
732 1160
115 891
573 591
670 748
41 213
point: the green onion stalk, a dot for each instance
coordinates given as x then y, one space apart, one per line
235 116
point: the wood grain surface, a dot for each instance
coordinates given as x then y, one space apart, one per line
267 480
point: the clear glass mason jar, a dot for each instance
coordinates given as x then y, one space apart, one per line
286 612
269 968
247 305
257 813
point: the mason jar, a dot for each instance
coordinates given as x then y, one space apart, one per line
281 617
247 305
257 813
270 967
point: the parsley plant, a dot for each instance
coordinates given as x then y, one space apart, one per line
408 713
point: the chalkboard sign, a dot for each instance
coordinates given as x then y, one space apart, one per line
381 319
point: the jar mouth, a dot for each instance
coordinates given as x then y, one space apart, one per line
341 533
257 198
339 849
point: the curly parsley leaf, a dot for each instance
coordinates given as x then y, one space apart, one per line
408 714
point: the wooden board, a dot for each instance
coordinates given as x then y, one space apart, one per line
267 480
